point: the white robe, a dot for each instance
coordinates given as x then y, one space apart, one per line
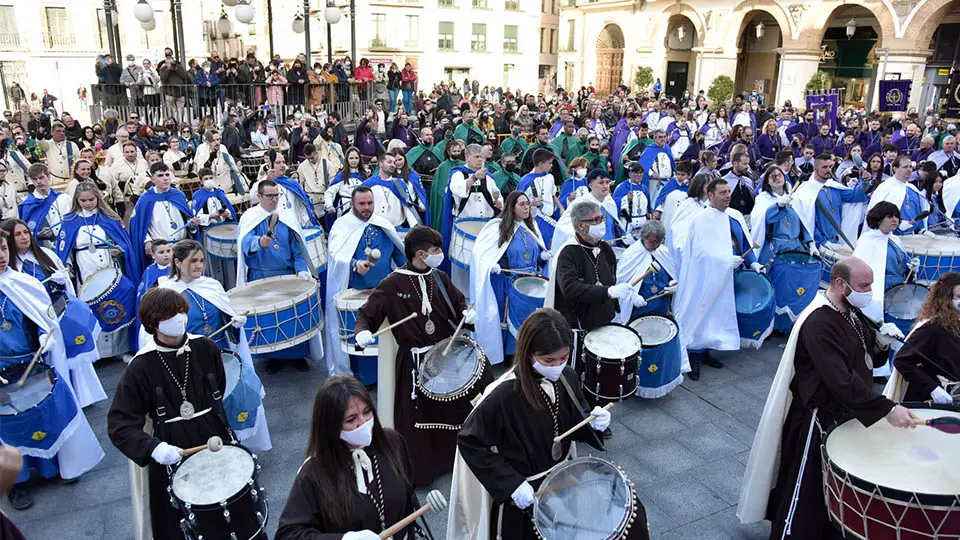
679 226
249 221
564 229
894 191
805 203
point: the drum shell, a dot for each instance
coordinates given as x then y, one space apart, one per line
242 395
220 247
281 325
462 239
895 312
865 509
35 430
432 411
753 295
610 379
521 305
937 255
349 302
830 254
796 279
114 306
315 240
660 367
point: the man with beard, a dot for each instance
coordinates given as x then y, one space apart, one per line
425 157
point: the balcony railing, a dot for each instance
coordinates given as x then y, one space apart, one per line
377 43
9 40
59 41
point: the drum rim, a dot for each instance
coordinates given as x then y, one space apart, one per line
263 309
343 301
101 296
899 286
467 234
618 360
39 365
216 227
907 498
630 509
810 258
229 500
661 315
477 373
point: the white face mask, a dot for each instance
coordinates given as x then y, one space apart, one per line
433 260
597 231
581 172
956 304
551 373
361 435
859 299
175 326
209 185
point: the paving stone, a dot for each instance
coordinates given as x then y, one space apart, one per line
667 457
722 477
709 442
683 497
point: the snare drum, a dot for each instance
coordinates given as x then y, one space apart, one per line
446 385
753 296
316 241
902 304
831 253
611 354
283 311
796 279
937 255
220 245
219 494
589 498
241 397
525 296
465 231
111 296
189 186
349 302
33 417
887 483
660 369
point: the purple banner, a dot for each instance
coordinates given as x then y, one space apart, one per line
824 104
894 95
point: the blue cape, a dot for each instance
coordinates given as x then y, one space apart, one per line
201 196
627 187
115 233
292 185
140 222
569 186
649 156
34 210
392 186
669 188
527 181
446 226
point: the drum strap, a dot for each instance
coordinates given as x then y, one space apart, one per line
446 297
579 405
161 403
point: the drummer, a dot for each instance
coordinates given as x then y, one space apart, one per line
598 183
398 200
210 204
315 173
506 441
774 224
161 252
513 244
93 239
905 196
210 311
27 327
175 381
292 196
44 207
825 353
336 199
161 212
369 464
541 189
883 251
928 361
651 259
350 264
415 287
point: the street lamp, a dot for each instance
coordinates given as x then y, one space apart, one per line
143 11
298 23
244 12
230 3
761 29
332 15
149 25
223 24
851 28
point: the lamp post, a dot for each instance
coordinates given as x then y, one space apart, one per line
113 38
306 31
332 15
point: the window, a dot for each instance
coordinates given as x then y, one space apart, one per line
9 37
552 45
446 3
571 33
413 30
510 38
478 39
543 34
445 38
482 4
511 5
58 33
379 29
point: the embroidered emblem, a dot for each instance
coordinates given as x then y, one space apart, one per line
242 417
112 311
800 291
80 340
757 333
39 435
653 368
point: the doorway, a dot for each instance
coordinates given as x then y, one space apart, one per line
676 79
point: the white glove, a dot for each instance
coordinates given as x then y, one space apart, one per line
361 535
905 225
929 234
545 255
523 495
619 291
166 454
940 395
469 316
47 340
364 338
783 202
814 252
735 261
305 275
914 264
755 266
602 420
60 276
638 300
671 288
495 269
238 321
628 240
888 333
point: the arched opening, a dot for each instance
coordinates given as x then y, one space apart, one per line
847 53
758 63
609 59
679 42
945 44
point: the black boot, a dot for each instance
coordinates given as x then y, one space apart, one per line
694 366
711 361
20 498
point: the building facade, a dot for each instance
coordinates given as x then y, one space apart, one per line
772 46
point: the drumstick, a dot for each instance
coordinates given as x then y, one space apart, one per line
636 281
394 325
224 327
946 424
747 252
214 444
446 350
660 295
518 273
4 381
435 502
555 450
23 378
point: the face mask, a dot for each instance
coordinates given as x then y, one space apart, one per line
859 299
597 230
175 326
510 167
470 122
582 172
551 373
208 185
515 132
361 436
433 260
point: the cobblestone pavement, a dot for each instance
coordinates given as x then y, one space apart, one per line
685 453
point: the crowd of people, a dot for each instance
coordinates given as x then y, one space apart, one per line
420 223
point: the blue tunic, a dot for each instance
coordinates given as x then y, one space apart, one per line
651 285
282 258
374 237
523 255
204 318
54 289
909 210
896 271
741 243
785 232
569 186
833 199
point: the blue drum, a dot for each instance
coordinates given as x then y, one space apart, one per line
242 395
220 245
34 417
662 361
753 296
937 255
111 297
902 304
349 302
525 296
282 311
465 232
316 241
796 280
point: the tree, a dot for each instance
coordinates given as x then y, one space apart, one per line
819 81
721 89
643 78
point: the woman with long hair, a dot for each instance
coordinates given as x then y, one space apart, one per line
768 143
932 190
519 415
930 352
713 134
336 199
775 225
411 180
355 477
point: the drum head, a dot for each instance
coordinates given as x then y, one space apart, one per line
923 245
445 376
352 299
583 499
535 287
211 477
836 251
98 283
613 341
39 385
231 370
797 257
470 226
262 295
225 232
654 330
904 301
752 292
